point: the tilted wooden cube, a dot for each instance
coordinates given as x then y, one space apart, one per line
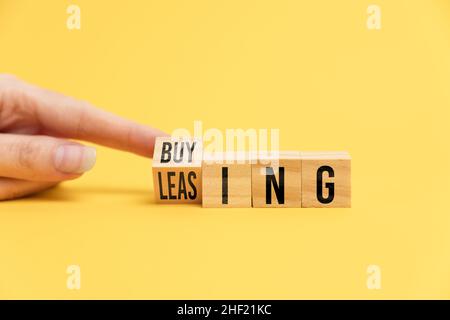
227 180
177 170
276 179
326 180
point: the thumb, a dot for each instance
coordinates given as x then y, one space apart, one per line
42 158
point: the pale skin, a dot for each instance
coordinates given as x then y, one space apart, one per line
36 128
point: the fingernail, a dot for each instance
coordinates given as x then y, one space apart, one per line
75 158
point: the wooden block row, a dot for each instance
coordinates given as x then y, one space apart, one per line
183 173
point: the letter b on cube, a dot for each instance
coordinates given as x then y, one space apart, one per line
177 170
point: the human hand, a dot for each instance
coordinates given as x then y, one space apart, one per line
34 124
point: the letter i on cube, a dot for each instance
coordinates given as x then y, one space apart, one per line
227 180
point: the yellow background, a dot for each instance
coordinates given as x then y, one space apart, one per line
310 68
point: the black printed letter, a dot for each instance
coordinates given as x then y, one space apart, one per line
278 188
224 185
166 148
329 185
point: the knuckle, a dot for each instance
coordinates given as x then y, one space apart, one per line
79 123
80 129
130 134
27 154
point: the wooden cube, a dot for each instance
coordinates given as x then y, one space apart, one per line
326 180
177 170
276 180
227 180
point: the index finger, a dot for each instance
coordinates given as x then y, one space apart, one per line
67 117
